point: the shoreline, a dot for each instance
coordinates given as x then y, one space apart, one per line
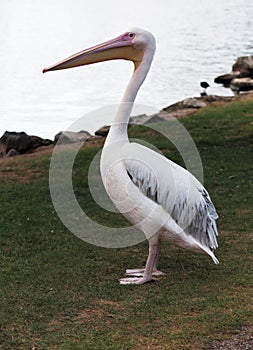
183 108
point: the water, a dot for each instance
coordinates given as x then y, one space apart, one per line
196 40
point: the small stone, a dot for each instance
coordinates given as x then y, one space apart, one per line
12 153
193 103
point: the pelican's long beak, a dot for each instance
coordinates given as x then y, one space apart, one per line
121 47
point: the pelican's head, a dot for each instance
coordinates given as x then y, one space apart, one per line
129 46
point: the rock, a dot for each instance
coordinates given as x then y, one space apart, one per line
241 84
184 108
183 112
21 142
147 119
244 65
154 119
139 119
226 79
103 131
209 99
65 137
193 103
158 117
12 153
242 68
95 140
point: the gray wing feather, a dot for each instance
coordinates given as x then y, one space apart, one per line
198 205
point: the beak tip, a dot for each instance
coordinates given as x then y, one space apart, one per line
44 70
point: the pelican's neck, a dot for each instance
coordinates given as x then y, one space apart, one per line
118 130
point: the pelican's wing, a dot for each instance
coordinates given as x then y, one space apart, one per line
180 194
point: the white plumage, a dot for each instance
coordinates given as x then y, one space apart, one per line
158 196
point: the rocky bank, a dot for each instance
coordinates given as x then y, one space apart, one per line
18 143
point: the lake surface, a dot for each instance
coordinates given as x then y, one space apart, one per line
196 40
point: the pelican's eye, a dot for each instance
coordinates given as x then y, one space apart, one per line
131 35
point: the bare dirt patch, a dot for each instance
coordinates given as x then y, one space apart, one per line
243 340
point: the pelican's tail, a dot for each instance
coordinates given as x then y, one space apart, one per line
209 252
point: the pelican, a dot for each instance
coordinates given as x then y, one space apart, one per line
156 195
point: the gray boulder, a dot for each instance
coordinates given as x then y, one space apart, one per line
65 137
193 103
148 119
139 119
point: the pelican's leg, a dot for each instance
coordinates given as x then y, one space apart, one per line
140 272
157 272
147 274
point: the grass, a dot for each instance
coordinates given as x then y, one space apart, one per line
60 293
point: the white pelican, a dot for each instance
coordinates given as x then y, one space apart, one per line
158 196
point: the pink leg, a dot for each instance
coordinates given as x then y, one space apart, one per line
150 265
140 272
157 257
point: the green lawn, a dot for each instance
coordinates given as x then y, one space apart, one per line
58 292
